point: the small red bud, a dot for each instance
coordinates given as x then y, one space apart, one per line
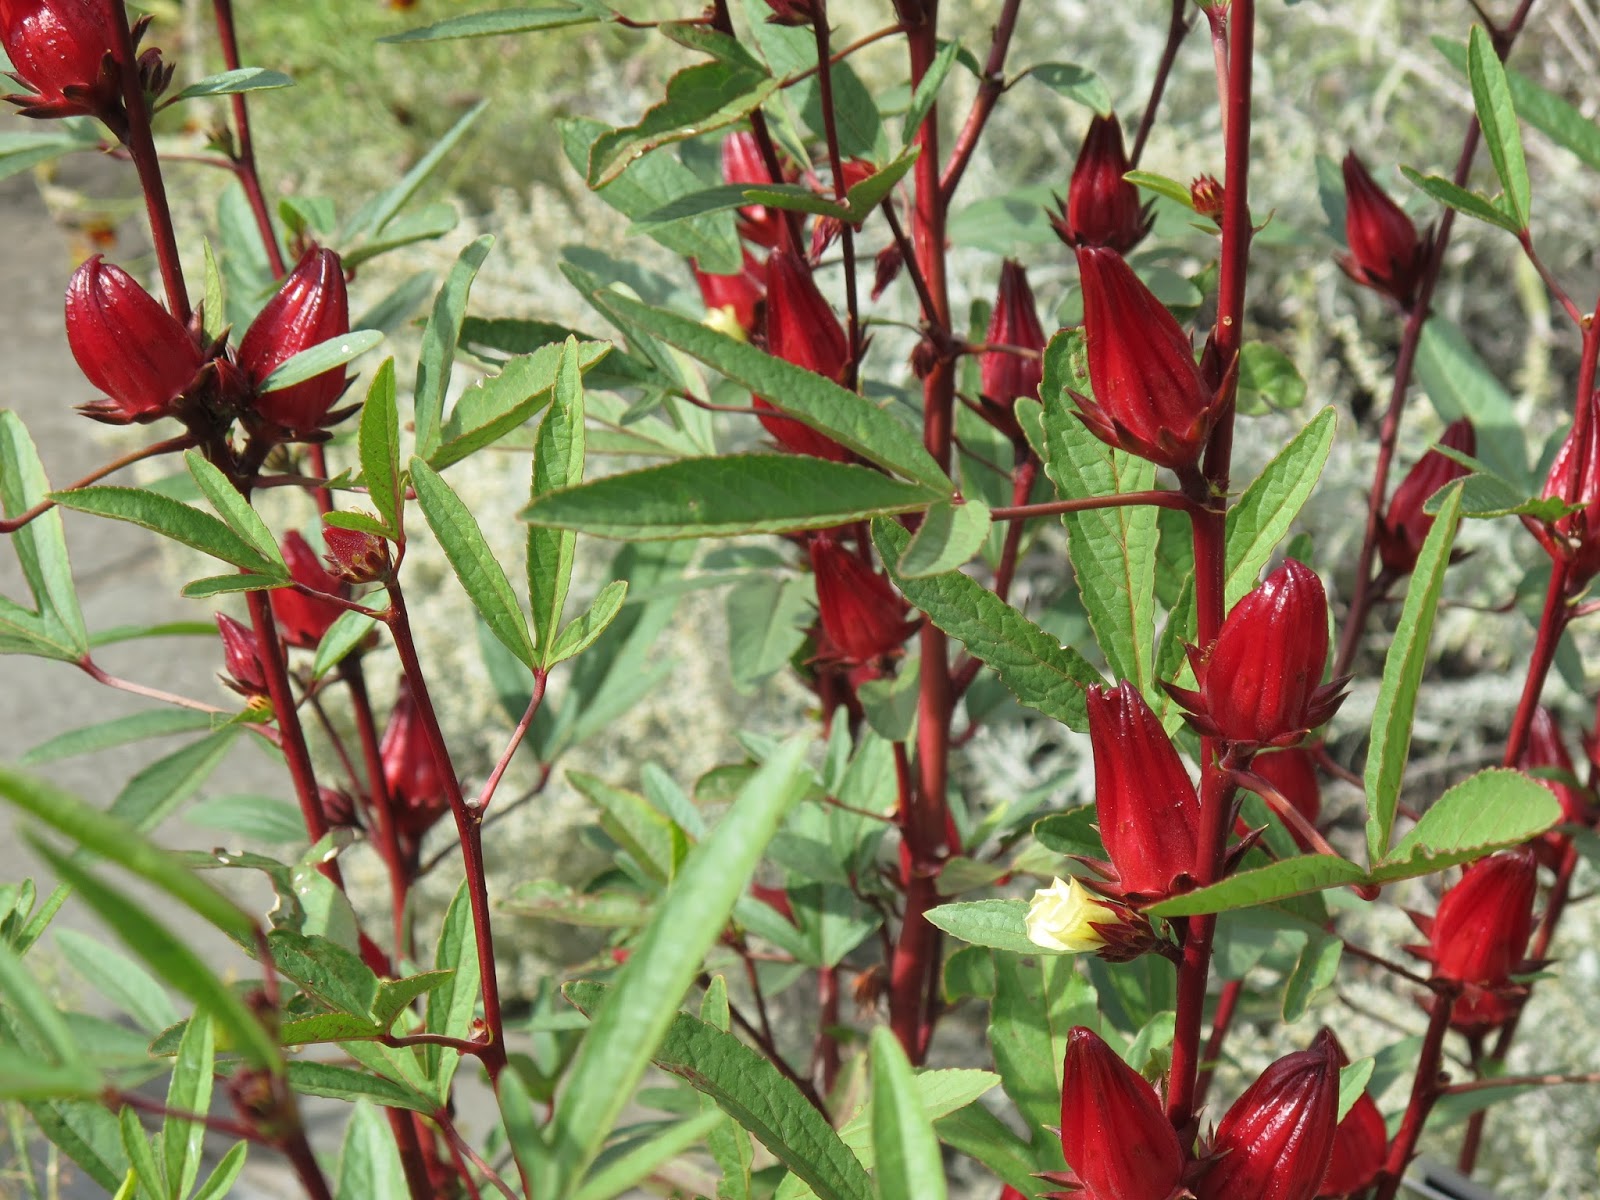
303 619
1007 376
241 655
792 12
1150 398
310 307
852 171
61 49
355 555
1276 1141
863 617
1207 196
1260 682
417 797
126 344
1575 537
1148 812
1114 1134
802 329
1386 252
1102 208
1405 525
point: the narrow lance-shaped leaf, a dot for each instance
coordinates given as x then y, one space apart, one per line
557 463
189 1092
233 508
171 519
322 357
41 545
903 1141
380 446
1491 96
439 343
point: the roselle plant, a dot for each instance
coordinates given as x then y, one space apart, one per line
879 511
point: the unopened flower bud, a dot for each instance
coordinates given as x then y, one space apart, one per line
311 307
355 555
417 797
1102 208
1386 252
1114 1134
1277 1139
1547 751
1068 918
863 617
1207 196
1575 538
126 344
303 619
1008 376
1150 398
1406 525
733 302
802 329
241 655
62 50
792 12
1148 812
1260 683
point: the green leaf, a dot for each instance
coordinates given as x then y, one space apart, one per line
950 534
119 979
904 1145
698 100
987 1140
25 149
171 958
493 407
119 731
927 93
1402 678
1460 384
141 1156
665 961
369 1162
557 463
439 343
999 924
85 1131
1542 109
475 565
1491 96
1264 885
325 971
35 1012
171 519
549 901
219 1183
189 1091
1071 832
23 1077
1453 195
866 194
734 494
1075 83
396 995
229 83
1162 185
160 788
1483 813
1037 1001
41 549
235 510
258 818
849 419
114 838
343 1083
1037 669
453 1004
372 216
585 628
654 840
380 447
626 1171
1268 379
746 1085
501 22
1314 972
322 357
348 631
1353 1083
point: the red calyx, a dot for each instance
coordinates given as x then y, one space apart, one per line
1260 683
863 617
1545 749
1405 525
742 294
356 556
802 329
310 307
1386 252
417 796
1576 536
63 51
1480 932
127 345
1150 398
1294 773
1114 1134
303 619
1102 208
1360 1143
1148 812
1007 376
241 655
1276 1141
742 162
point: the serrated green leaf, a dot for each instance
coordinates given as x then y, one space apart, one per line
698 100
453 1004
396 995
624 1172
1037 1001
998 924
439 344
1038 670
235 510
987 1140
655 841
369 1161
1453 195
1402 678
141 1157
1264 885
84 1131
119 731
41 548
1542 109
157 790
222 1178
343 1083
229 83
501 22
585 628
558 459
1483 813
1162 185
349 630
380 446
170 518
1314 971
475 565
189 1091
950 534
927 93
321 358
1268 380
1491 96
905 1148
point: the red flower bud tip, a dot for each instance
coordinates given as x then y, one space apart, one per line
886 267
1275 1143
417 797
1207 196
1114 1134
1148 811
1480 932
742 163
241 655
1260 682
310 308
733 302
1294 773
1102 208
1576 536
1360 1143
303 619
355 555
1150 398
126 344
802 329
61 50
863 617
1405 525
1386 252
1545 750
1007 376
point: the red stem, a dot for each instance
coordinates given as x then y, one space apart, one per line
245 156
1156 497
296 754
1425 1090
380 808
170 446
830 127
1221 1022
1178 26
989 91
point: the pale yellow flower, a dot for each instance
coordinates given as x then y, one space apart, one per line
1062 916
